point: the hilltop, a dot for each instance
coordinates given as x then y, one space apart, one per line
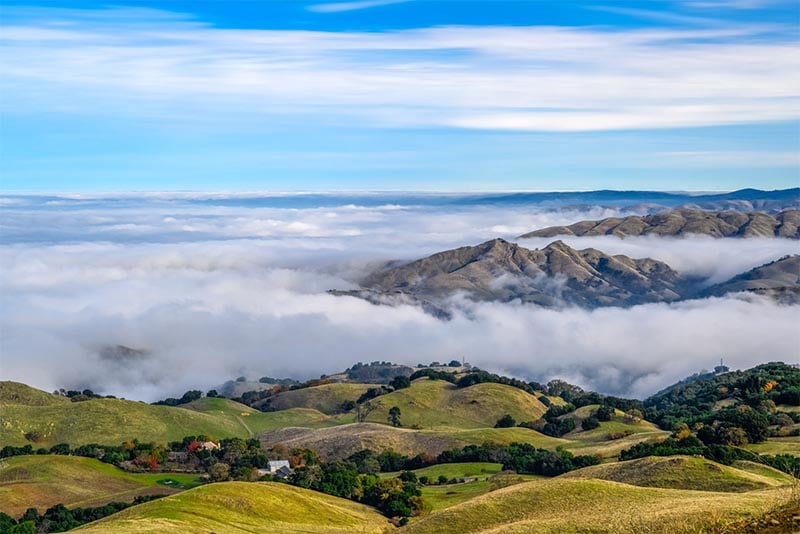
558 274
234 507
683 222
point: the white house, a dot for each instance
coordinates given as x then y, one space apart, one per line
274 465
277 468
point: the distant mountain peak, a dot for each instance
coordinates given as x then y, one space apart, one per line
498 270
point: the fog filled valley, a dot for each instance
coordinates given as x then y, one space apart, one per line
208 287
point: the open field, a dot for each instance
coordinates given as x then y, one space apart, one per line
582 505
239 507
436 404
43 481
683 472
490 476
455 470
789 445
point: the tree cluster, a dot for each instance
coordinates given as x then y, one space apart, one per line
59 518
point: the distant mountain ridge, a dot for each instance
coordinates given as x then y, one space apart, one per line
556 276
501 271
779 279
741 200
683 222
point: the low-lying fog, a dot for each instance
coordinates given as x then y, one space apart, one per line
213 291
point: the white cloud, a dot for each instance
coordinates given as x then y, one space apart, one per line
338 7
229 304
510 78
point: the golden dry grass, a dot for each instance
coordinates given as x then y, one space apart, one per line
564 505
436 404
682 472
244 507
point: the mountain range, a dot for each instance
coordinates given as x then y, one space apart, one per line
555 276
682 222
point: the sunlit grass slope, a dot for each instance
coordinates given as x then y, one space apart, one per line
564 505
681 472
43 481
439 404
112 421
255 421
238 507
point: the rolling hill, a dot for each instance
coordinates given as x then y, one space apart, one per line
244 507
326 398
684 472
583 505
45 480
436 404
112 421
683 222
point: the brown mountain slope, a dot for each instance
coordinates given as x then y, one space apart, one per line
557 274
779 279
682 222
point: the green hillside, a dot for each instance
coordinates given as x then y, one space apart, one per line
43 481
254 421
681 472
112 421
565 505
241 507
439 404
17 393
327 398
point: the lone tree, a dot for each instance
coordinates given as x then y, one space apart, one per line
394 416
505 422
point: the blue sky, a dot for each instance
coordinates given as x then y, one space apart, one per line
407 95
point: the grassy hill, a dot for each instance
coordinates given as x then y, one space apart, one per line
342 441
581 505
112 421
254 421
440 404
43 481
327 398
239 507
682 472
17 393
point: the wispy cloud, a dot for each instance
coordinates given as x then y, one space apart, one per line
732 4
536 78
337 7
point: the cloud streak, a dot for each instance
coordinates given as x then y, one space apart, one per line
339 7
537 78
